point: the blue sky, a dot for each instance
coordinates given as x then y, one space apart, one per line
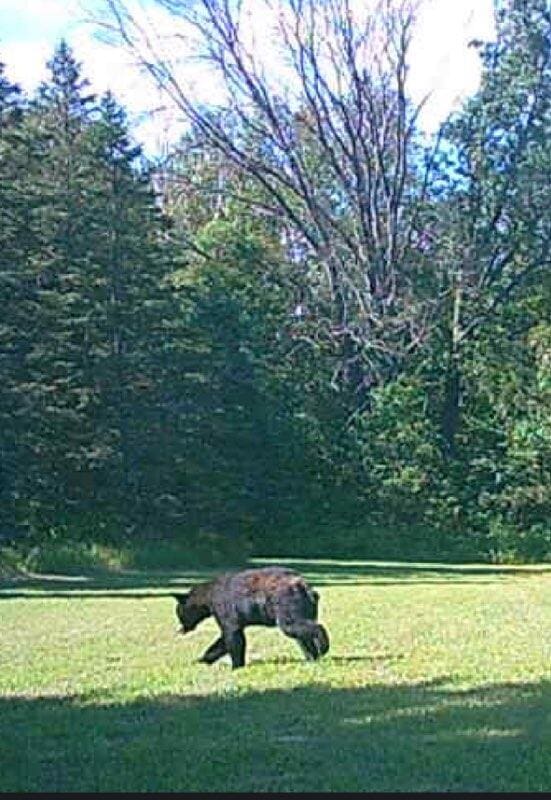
19 21
29 30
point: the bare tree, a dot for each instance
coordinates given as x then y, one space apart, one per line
336 157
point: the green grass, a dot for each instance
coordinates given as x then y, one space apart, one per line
438 679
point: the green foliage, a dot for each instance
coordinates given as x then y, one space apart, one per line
70 558
87 318
172 372
61 555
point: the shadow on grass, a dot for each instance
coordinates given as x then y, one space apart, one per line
131 584
410 737
322 572
378 658
330 572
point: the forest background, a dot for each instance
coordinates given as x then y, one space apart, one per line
308 330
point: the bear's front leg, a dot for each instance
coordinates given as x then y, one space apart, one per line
216 650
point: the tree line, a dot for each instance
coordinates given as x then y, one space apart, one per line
309 328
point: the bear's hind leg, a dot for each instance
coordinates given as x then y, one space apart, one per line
311 636
235 645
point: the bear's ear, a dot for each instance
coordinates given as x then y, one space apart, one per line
181 598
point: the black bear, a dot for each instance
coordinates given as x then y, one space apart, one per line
265 596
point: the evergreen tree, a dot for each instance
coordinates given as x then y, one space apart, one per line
134 353
88 316
12 220
59 259
10 100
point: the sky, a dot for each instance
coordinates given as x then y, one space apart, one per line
441 61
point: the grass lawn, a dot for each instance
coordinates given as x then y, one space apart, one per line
438 679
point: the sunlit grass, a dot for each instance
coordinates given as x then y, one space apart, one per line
438 678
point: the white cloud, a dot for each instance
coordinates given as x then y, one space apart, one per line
29 48
29 30
50 10
440 60
26 62
111 67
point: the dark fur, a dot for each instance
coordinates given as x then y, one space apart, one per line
267 596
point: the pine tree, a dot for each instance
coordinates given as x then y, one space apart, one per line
57 383
11 293
135 359
90 321
10 100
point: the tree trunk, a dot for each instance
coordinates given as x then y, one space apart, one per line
451 412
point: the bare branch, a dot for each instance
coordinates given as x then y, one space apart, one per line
327 133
